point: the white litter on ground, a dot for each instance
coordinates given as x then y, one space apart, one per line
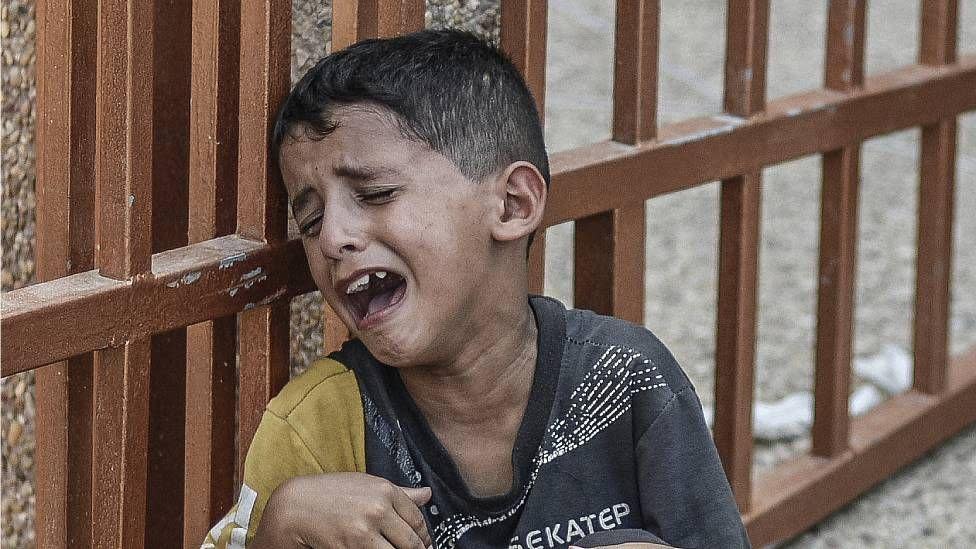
889 373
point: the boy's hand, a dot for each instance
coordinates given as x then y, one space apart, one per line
344 510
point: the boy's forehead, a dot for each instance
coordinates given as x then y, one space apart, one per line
367 144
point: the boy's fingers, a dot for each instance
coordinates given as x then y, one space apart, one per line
419 496
408 510
380 542
401 534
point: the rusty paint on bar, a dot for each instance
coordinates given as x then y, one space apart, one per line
934 262
54 320
635 70
523 38
264 342
170 152
262 211
609 263
937 166
355 20
65 218
121 424
745 56
835 300
264 81
704 149
124 144
209 454
212 344
844 72
735 335
939 32
844 63
537 263
214 119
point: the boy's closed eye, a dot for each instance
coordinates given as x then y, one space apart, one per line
378 196
310 225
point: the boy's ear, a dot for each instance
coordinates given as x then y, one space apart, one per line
522 194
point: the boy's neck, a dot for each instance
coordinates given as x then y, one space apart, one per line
491 375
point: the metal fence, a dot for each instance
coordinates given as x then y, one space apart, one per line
163 311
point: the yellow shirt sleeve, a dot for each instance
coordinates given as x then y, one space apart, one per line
315 425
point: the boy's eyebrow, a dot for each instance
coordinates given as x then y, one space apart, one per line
362 174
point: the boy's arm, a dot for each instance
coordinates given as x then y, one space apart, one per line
683 488
313 426
277 453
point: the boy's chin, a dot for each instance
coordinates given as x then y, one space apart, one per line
392 353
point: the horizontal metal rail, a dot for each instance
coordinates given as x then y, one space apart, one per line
801 492
710 148
55 320
86 311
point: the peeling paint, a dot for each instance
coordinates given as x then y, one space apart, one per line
173 284
793 112
228 261
252 274
249 306
233 291
132 200
274 296
190 278
746 74
251 282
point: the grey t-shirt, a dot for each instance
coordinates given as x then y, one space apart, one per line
612 447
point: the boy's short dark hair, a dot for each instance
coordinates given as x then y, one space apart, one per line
448 88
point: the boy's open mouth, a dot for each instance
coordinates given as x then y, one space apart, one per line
371 294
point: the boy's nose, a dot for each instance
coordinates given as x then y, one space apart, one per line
340 236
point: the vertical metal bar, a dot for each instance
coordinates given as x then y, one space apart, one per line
65 219
940 20
211 346
263 369
167 392
635 71
843 71
123 173
609 247
354 20
735 339
261 202
123 150
523 38
609 263
120 445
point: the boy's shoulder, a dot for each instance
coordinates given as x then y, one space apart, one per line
595 335
326 383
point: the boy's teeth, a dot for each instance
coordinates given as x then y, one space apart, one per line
360 284
380 274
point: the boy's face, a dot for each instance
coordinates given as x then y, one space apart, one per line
398 240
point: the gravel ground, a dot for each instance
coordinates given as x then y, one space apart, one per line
926 505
